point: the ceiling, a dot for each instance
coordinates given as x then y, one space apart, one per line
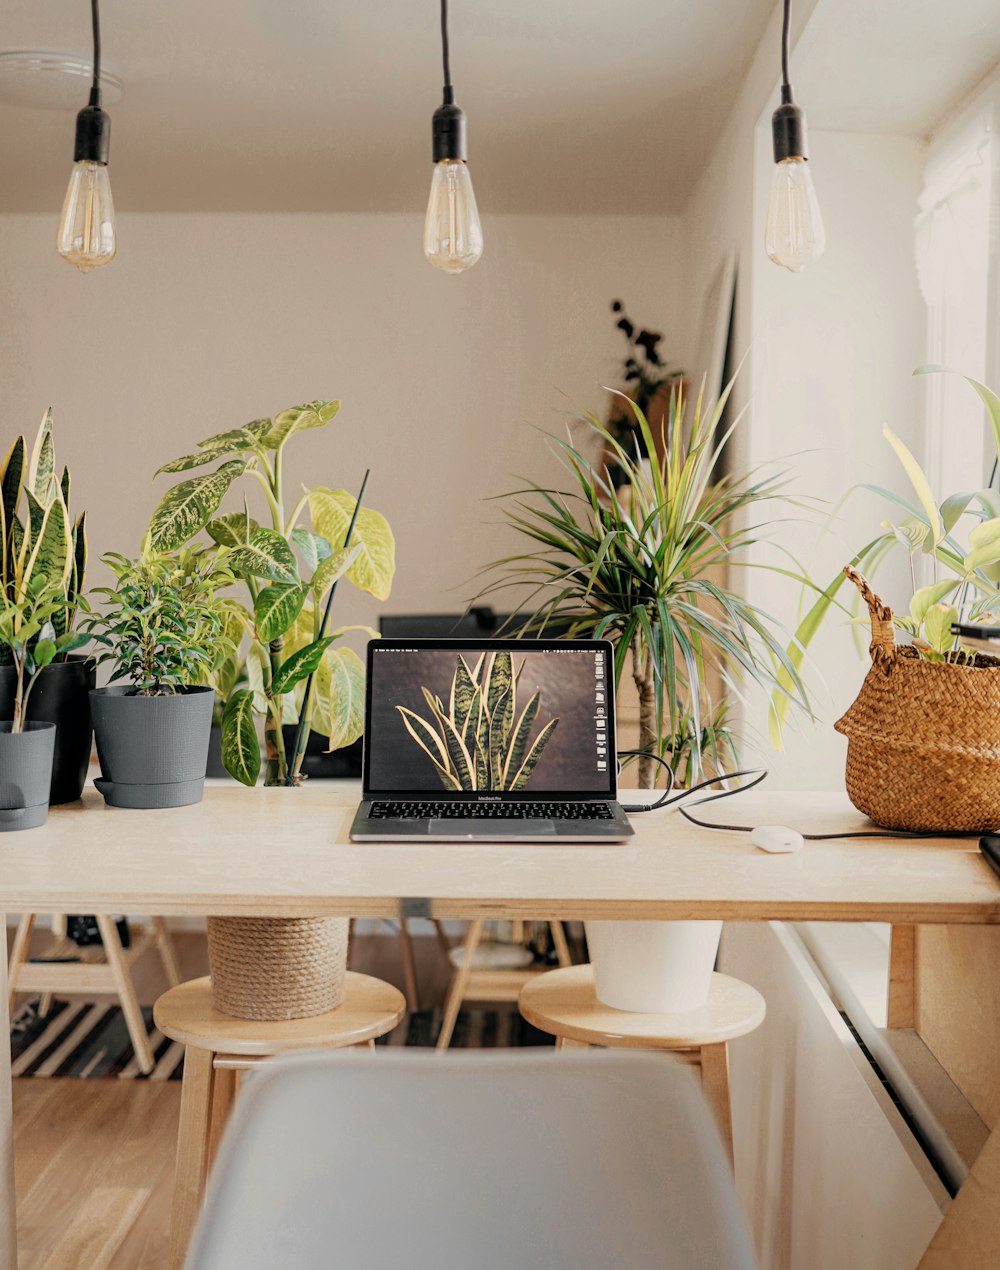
573 105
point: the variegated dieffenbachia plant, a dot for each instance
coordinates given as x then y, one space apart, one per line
288 568
479 741
42 549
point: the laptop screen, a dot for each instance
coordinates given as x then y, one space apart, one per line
520 718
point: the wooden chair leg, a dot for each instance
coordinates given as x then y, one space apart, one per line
165 947
409 966
715 1084
224 1084
19 953
567 1043
126 994
561 944
902 987
459 984
193 1139
444 943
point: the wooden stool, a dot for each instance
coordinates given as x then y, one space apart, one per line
219 1047
104 967
563 1003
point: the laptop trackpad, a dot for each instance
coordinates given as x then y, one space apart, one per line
497 828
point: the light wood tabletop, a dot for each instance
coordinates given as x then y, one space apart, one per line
285 852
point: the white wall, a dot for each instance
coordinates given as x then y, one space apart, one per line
204 322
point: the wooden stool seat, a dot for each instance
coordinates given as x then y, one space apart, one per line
371 1007
564 1004
218 1046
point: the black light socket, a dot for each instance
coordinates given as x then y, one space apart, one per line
93 136
788 132
450 133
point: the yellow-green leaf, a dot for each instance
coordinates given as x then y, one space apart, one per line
937 623
373 570
921 485
240 747
187 508
314 414
343 675
276 608
928 595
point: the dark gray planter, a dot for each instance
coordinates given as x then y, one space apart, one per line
25 775
153 750
60 696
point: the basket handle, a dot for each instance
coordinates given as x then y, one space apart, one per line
882 649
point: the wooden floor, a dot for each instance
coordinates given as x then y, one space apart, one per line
94 1158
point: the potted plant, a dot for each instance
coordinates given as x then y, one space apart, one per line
289 562
164 630
642 567
28 634
38 535
922 733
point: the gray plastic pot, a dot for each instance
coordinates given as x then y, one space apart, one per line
153 750
25 775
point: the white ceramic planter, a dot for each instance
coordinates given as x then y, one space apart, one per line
653 967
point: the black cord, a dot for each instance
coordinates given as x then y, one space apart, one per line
785 30
95 87
449 95
758 775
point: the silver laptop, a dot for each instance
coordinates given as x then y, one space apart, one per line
490 740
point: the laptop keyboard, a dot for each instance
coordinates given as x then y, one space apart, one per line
489 811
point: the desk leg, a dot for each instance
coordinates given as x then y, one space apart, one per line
969 1236
8 1202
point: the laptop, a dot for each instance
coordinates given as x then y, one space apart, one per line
490 740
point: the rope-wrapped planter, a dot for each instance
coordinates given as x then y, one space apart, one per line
923 749
270 968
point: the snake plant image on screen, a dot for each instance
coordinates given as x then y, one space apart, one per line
479 741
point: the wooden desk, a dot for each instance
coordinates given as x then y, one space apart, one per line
285 852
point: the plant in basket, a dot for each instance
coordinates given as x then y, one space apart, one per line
300 676
922 733
646 567
164 629
28 615
41 542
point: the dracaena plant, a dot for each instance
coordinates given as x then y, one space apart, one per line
955 540
164 625
287 561
42 549
478 740
644 567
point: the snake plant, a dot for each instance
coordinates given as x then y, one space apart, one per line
474 742
41 547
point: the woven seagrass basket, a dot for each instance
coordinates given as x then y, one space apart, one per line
923 749
269 968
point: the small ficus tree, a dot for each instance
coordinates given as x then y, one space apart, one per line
164 627
288 560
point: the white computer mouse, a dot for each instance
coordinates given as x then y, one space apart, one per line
777 838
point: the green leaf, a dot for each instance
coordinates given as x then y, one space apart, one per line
43 460
331 570
920 484
12 478
267 555
984 541
928 595
373 570
45 651
52 555
187 508
300 665
342 685
534 754
314 414
276 608
240 747
199 459
233 530
314 547
937 623
238 438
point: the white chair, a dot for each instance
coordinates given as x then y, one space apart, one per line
472 1159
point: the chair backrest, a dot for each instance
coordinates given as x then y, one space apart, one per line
496 1161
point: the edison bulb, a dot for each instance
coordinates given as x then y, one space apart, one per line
87 235
453 236
795 236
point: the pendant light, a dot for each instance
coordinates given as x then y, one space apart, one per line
794 236
453 236
87 235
